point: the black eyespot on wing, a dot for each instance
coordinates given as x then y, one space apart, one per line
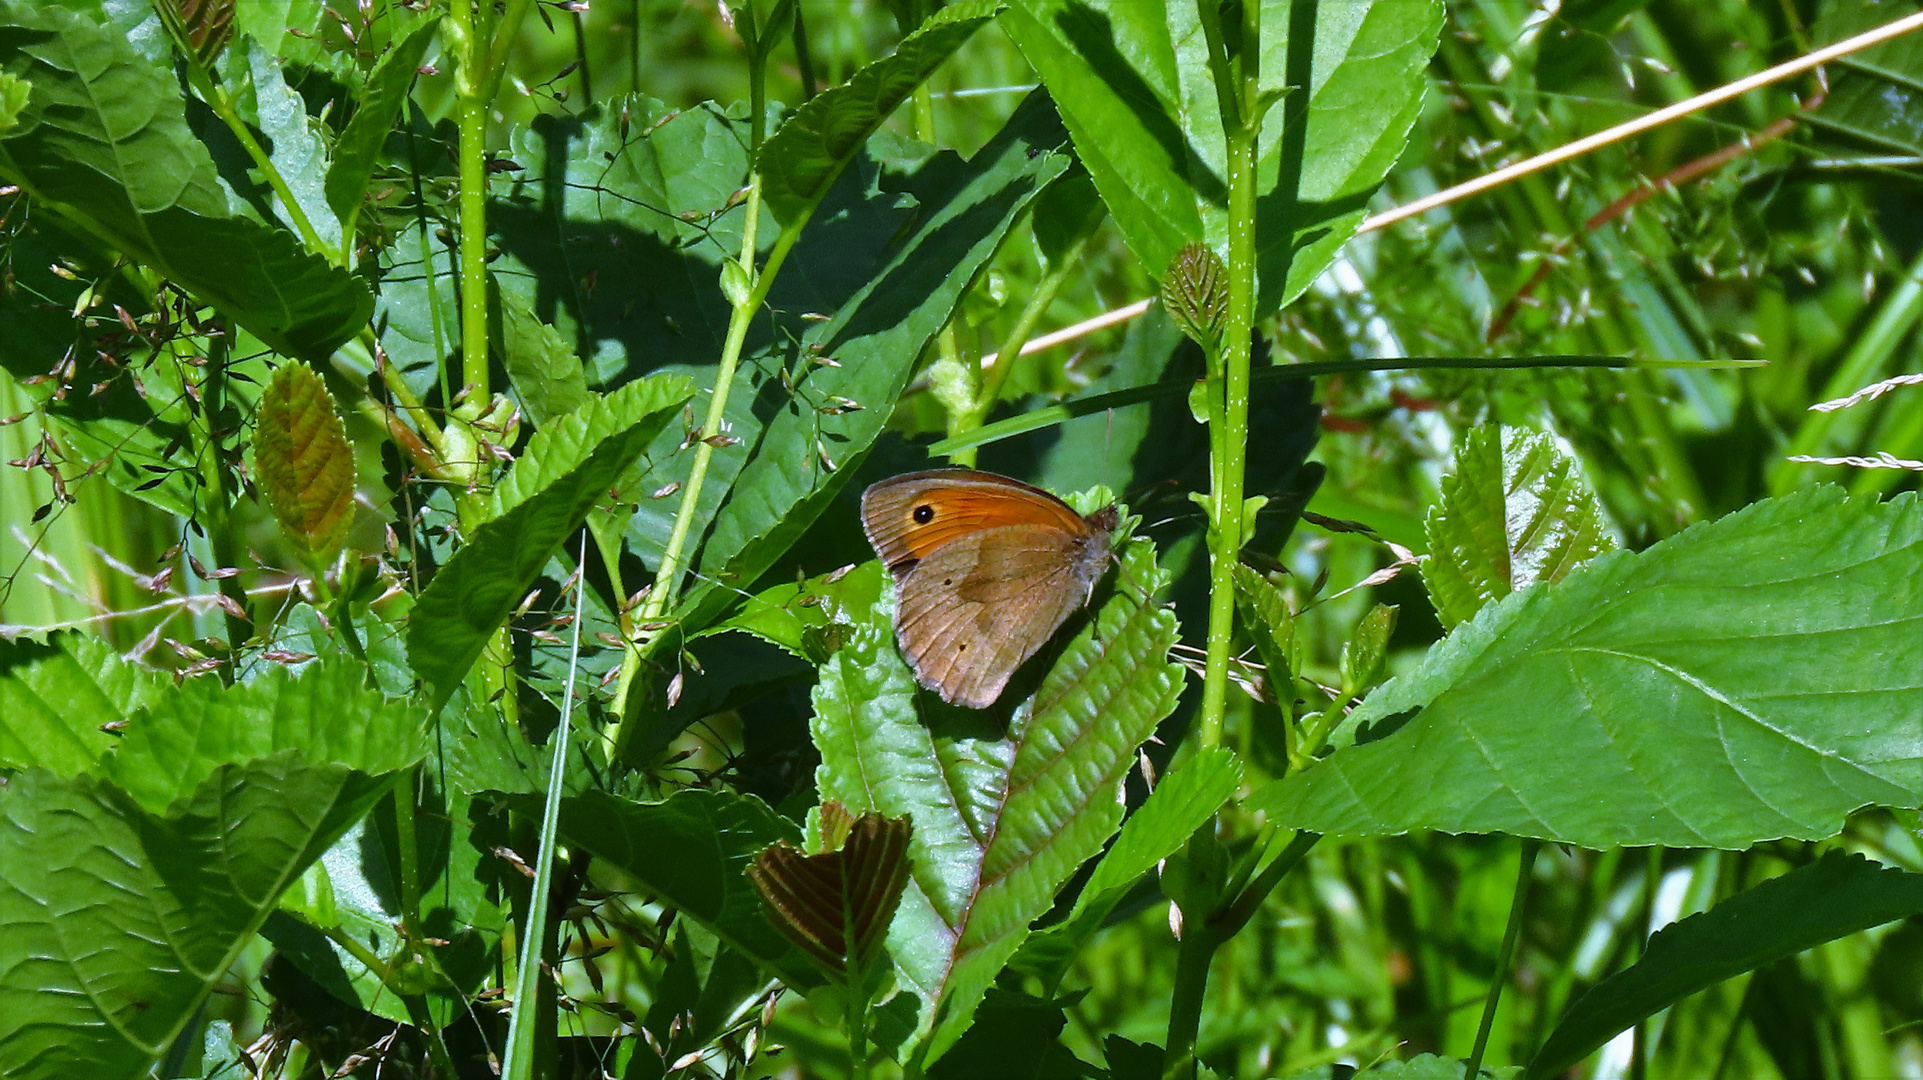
923 514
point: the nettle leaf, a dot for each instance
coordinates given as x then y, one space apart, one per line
1132 81
798 466
105 132
303 461
835 905
1749 678
358 149
1183 802
123 898
1006 805
567 468
805 154
1838 895
1515 512
693 850
56 697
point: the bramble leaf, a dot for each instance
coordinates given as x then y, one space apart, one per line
1003 815
1749 678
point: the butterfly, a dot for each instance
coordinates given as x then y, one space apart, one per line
986 570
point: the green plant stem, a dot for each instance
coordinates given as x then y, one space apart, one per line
1652 879
471 126
1229 401
667 578
1201 937
216 98
416 1004
1510 933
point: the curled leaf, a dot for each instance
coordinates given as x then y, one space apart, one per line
1195 290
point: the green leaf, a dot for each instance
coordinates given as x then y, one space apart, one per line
544 374
14 93
805 154
1838 895
1183 802
1750 678
124 898
1363 653
693 850
294 143
105 133
1271 625
1875 94
1132 81
1515 512
1003 815
567 468
381 100
810 618
55 698
355 886
966 210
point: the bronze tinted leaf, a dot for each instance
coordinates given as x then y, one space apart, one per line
304 462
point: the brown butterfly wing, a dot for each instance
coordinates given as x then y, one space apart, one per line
969 613
909 517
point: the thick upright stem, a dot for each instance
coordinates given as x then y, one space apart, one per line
1229 397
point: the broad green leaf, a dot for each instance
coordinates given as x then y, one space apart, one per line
358 879
543 372
1515 512
1132 81
803 457
1183 802
105 134
379 106
801 159
56 697
809 618
1005 805
1838 895
693 850
1749 678
303 461
566 469
325 713
124 898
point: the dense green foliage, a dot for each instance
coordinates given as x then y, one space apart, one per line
437 635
